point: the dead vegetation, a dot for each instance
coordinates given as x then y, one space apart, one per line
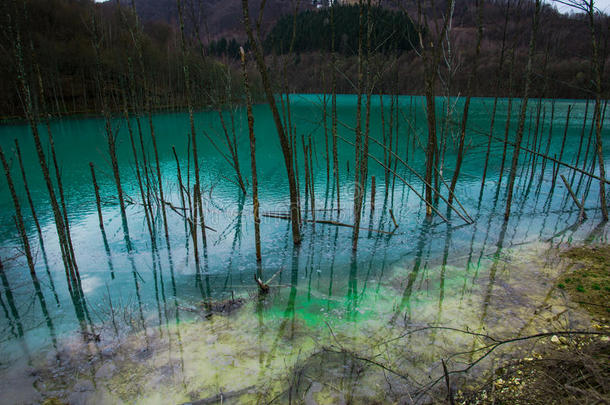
574 371
568 370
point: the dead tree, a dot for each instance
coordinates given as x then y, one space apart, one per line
334 108
283 136
473 73
18 215
198 203
430 50
358 181
597 62
110 134
499 73
32 119
522 114
255 203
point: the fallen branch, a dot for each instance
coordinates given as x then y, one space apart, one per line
404 163
393 219
449 391
328 222
264 288
432 207
219 398
569 166
491 347
580 206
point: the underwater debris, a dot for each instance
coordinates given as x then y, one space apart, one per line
263 287
89 337
224 306
222 396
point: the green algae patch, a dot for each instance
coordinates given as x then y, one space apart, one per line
53 401
588 280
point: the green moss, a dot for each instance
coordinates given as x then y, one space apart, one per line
52 401
590 271
561 285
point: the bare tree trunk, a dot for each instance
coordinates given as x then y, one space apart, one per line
255 203
33 123
325 121
431 146
145 200
498 82
582 137
232 146
158 166
312 187
528 79
386 155
60 186
18 215
98 202
334 109
563 144
372 194
431 52
359 186
284 141
460 155
28 194
110 136
137 39
306 170
198 203
548 142
597 66
180 185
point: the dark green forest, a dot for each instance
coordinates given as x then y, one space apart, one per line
392 31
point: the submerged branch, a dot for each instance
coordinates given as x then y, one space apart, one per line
432 207
328 222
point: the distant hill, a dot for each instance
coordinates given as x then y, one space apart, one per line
393 31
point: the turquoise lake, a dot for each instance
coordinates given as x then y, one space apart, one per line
489 275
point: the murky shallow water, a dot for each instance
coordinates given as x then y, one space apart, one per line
334 326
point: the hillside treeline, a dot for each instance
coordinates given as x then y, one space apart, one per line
562 58
392 31
562 66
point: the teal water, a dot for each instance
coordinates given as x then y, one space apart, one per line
421 271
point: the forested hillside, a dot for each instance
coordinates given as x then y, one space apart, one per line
58 38
393 31
562 59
